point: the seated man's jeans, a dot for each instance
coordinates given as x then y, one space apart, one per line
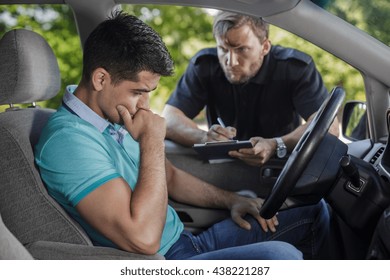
305 228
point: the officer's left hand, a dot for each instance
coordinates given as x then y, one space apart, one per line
261 152
243 206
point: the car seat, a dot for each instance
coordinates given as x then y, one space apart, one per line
29 73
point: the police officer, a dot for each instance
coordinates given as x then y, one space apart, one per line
261 92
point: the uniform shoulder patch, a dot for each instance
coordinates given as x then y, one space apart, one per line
204 53
289 53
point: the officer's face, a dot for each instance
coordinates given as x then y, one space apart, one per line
241 54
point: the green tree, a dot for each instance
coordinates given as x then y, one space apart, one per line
182 34
334 71
186 30
370 16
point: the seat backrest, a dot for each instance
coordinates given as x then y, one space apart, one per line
29 73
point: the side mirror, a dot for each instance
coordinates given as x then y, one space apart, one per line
354 124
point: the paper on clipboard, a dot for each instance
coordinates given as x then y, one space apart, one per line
214 151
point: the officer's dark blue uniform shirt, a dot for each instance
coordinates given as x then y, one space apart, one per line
287 87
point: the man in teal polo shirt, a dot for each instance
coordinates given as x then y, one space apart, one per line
101 156
85 161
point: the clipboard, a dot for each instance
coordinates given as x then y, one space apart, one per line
220 149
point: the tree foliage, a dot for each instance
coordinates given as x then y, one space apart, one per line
186 30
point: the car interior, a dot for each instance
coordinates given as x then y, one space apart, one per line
351 173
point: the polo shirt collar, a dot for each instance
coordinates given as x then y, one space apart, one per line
76 106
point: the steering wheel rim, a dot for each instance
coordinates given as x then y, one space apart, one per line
302 153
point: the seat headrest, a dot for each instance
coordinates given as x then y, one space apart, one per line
28 68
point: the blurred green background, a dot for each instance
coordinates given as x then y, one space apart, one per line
186 30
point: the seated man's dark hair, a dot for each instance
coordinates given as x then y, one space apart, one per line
124 46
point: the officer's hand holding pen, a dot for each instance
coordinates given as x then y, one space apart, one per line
221 132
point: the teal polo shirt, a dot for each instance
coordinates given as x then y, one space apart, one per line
79 151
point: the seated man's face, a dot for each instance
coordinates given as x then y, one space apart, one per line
134 95
241 53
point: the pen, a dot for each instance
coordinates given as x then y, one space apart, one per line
221 123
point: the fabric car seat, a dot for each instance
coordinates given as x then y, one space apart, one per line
29 73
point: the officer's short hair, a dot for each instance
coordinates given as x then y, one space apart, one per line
224 21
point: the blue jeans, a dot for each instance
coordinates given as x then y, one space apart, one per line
303 227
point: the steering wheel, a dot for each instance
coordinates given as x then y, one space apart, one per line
302 153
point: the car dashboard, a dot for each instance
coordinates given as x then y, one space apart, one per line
361 206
